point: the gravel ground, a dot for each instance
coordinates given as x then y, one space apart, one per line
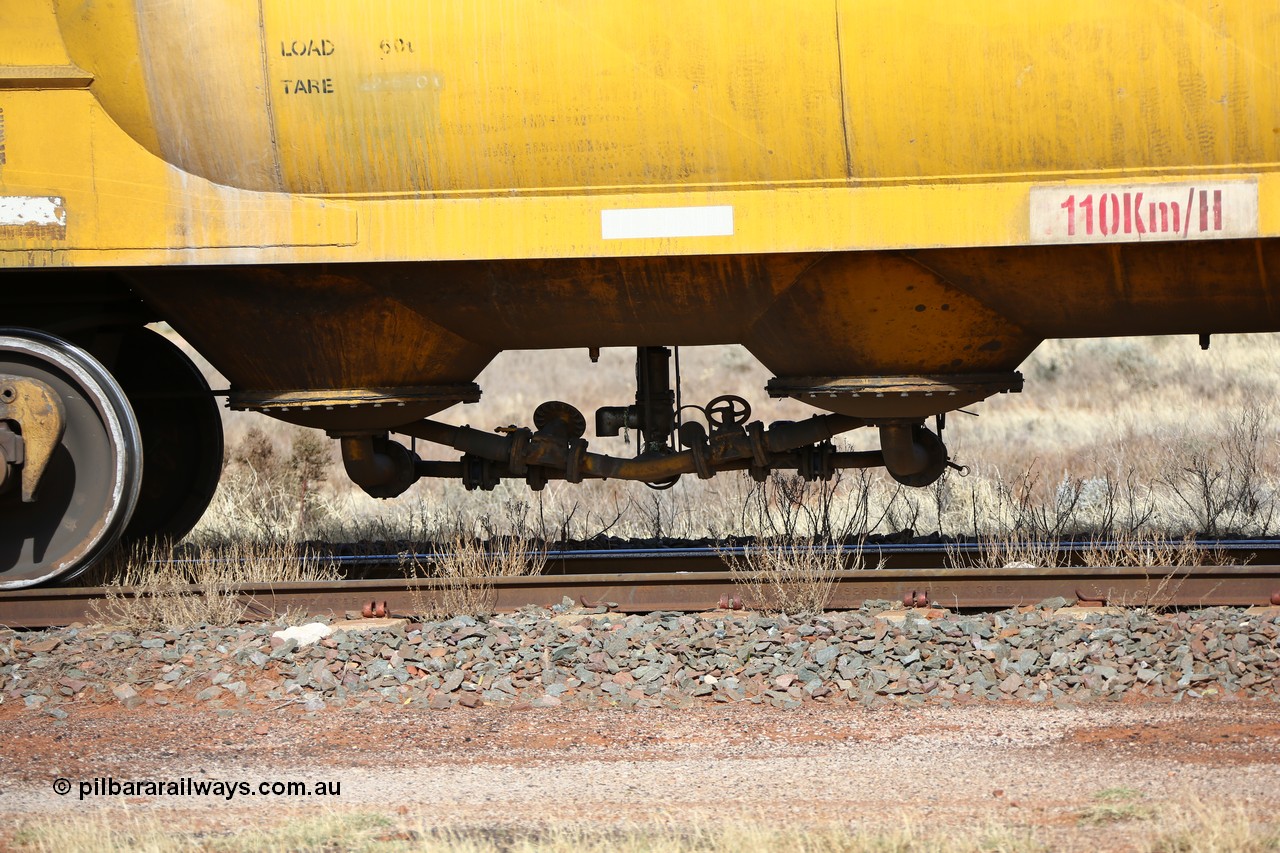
1009 764
1020 718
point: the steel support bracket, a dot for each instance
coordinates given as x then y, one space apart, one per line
37 410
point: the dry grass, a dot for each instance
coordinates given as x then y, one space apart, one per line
369 833
1112 805
1125 549
1152 548
270 494
1013 551
156 588
786 575
1141 441
1200 827
467 569
1141 550
1176 827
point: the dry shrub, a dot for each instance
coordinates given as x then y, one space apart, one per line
1150 550
1200 827
155 589
1157 551
360 832
269 495
1015 550
785 507
1223 483
466 574
796 577
802 527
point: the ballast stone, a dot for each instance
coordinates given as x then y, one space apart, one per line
638 661
305 635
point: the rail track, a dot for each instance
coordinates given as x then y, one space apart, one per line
695 558
697 579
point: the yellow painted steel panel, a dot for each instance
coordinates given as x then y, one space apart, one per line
502 129
29 34
119 200
496 94
488 95
939 89
104 35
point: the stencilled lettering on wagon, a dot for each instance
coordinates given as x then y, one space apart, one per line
1131 213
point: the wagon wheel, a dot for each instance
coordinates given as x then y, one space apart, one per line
86 494
181 434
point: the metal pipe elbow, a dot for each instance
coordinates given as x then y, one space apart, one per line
903 455
381 467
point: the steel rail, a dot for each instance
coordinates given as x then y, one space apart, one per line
887 555
956 588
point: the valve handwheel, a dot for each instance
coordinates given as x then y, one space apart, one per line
727 411
555 410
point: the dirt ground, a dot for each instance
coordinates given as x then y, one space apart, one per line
1026 766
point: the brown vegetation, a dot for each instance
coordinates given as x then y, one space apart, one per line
466 569
1171 828
155 588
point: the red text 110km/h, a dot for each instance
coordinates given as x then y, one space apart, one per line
1138 212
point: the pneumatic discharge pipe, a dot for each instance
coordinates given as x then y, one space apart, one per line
730 453
777 461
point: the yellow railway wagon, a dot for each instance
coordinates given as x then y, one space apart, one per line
350 207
